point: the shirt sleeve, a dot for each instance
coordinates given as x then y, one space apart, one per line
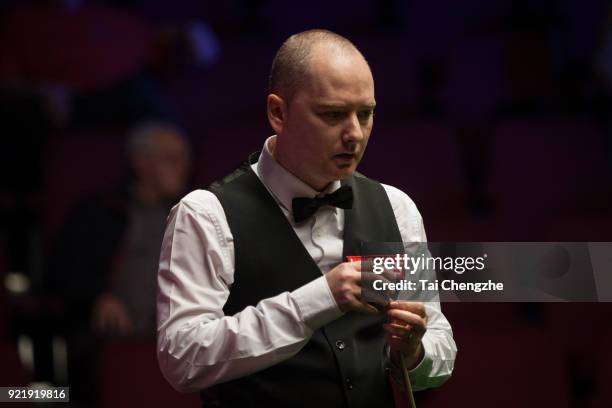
199 346
438 343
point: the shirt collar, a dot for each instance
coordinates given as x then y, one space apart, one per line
283 185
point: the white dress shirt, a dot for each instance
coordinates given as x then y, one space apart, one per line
199 346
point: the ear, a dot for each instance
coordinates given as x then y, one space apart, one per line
277 112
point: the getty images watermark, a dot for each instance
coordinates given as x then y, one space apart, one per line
487 271
399 265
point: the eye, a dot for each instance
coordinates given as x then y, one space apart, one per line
365 115
333 115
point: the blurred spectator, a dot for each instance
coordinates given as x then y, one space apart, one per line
52 53
105 265
66 63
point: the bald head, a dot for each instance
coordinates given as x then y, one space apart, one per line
292 64
160 160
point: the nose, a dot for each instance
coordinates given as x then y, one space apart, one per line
352 132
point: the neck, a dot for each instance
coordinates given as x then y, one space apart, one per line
284 161
146 194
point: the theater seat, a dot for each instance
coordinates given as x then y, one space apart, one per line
548 169
519 367
225 147
602 392
130 377
587 228
12 372
423 160
78 164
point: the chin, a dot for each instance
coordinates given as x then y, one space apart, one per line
344 172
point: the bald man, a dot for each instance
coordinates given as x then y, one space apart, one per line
256 306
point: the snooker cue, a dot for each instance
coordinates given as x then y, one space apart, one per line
411 402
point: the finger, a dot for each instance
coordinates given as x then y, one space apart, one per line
396 343
368 309
414 307
370 277
397 330
357 292
392 275
403 343
404 316
352 276
400 341
372 298
355 265
411 332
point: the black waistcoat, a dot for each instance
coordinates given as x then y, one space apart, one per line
343 364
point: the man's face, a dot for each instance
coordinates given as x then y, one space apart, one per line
329 119
166 167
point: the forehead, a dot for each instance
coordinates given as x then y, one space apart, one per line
338 77
168 141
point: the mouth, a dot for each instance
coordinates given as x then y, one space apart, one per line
345 156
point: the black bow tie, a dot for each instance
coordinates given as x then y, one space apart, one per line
304 207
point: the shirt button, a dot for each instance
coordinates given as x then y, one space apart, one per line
340 344
349 384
